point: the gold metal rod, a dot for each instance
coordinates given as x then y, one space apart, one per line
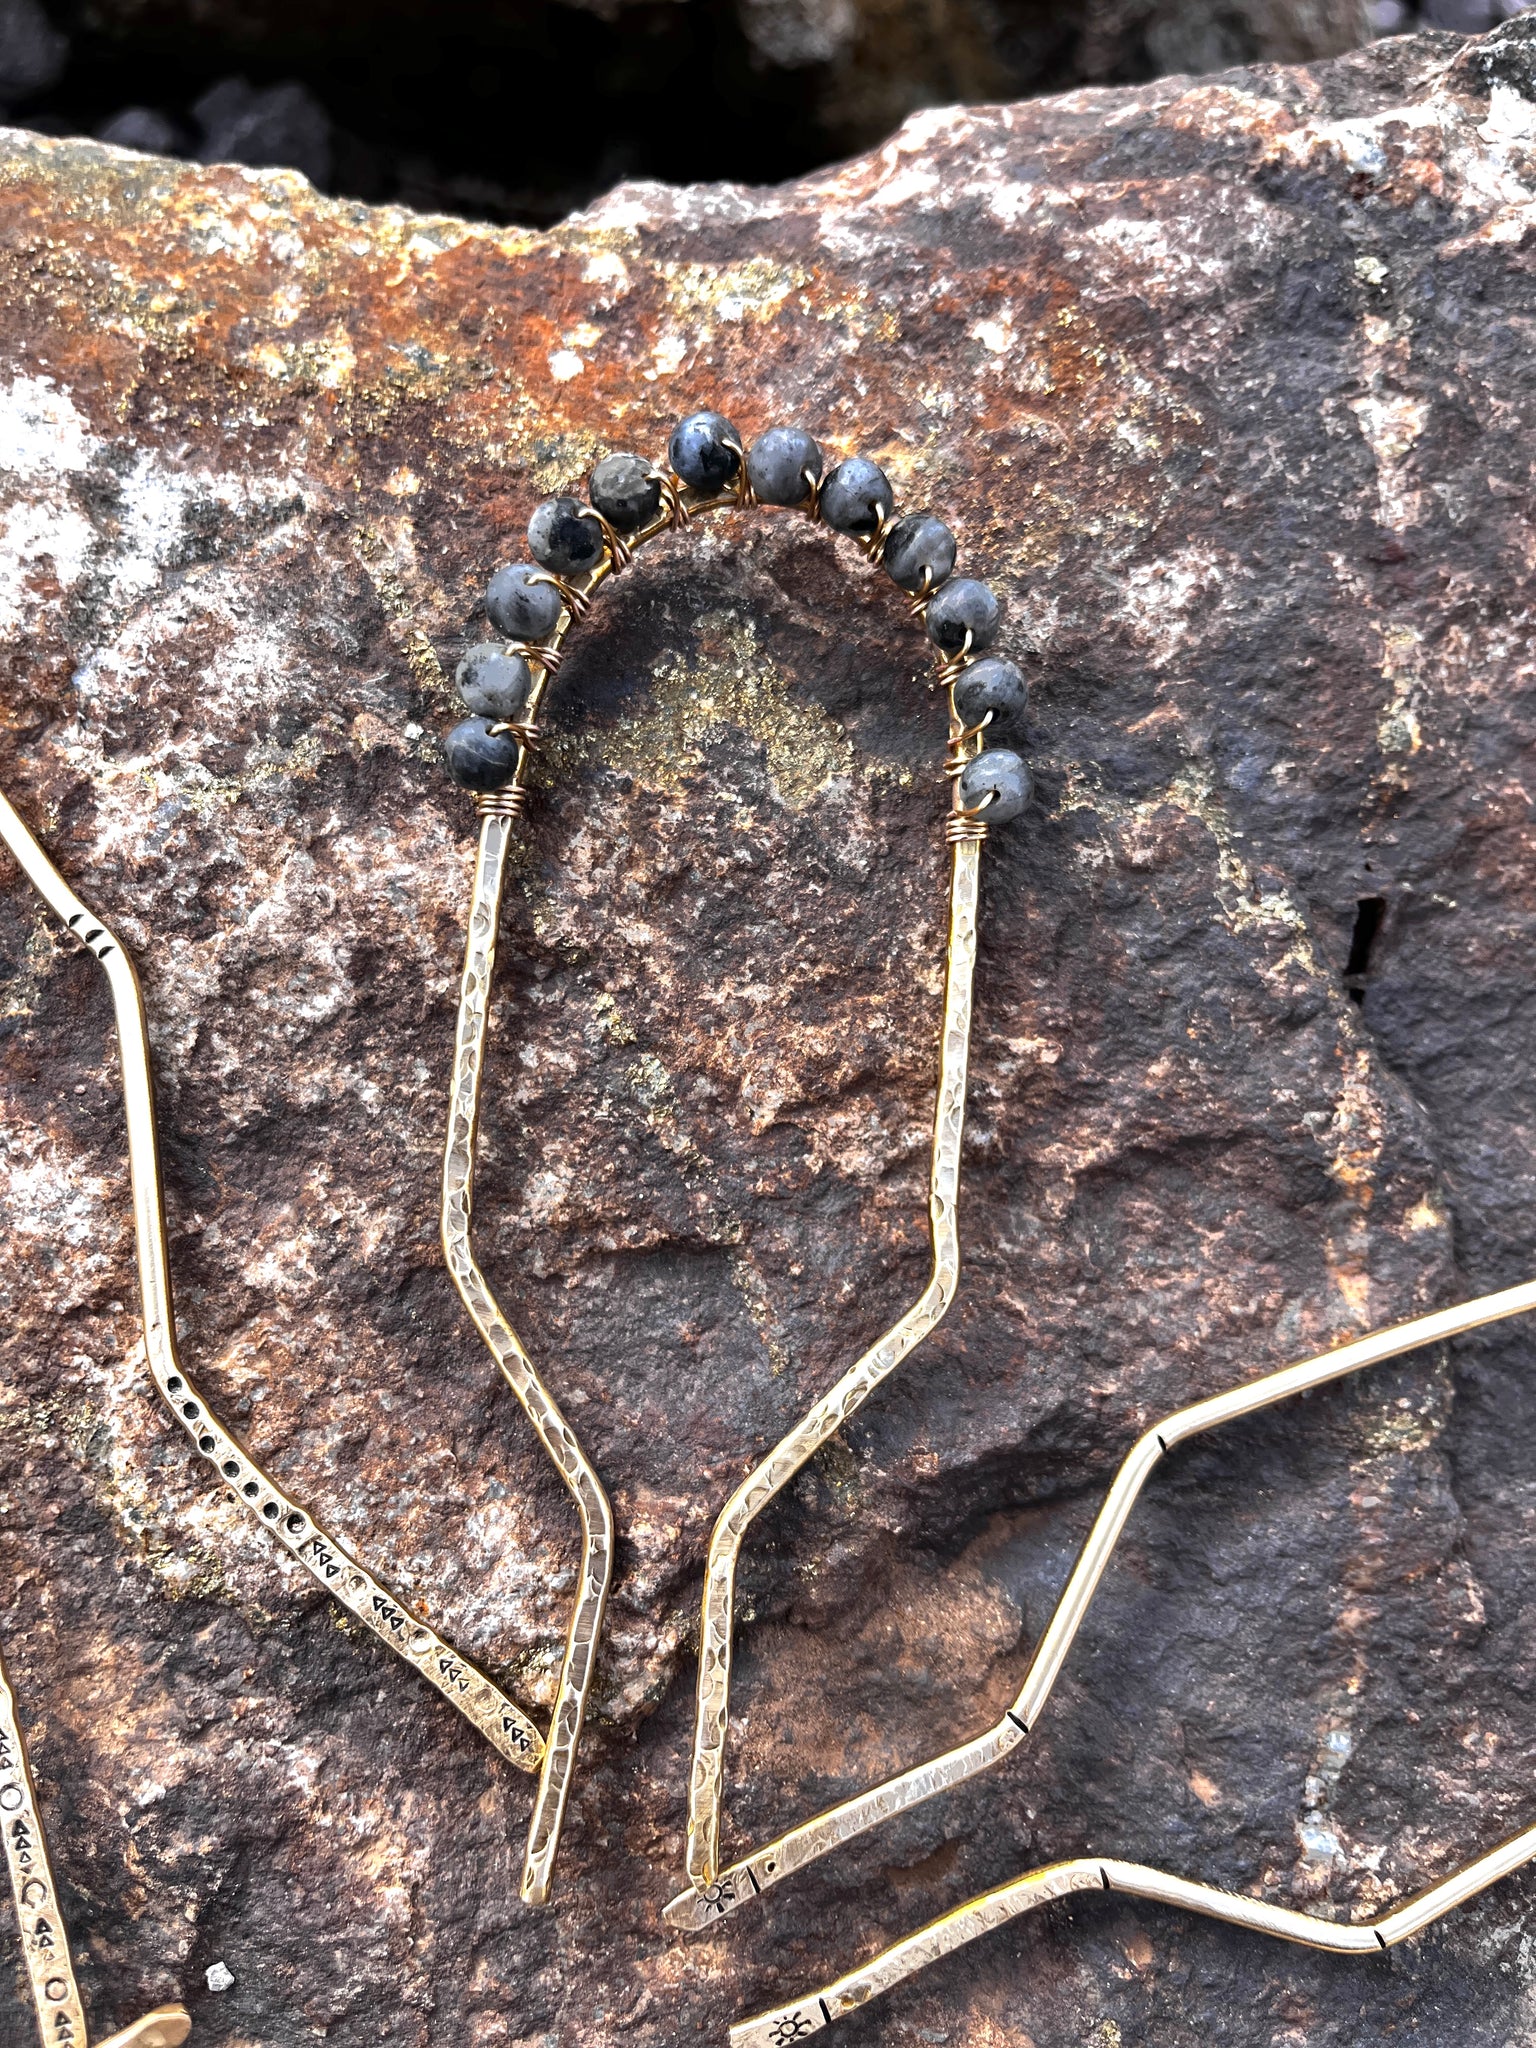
554 1432
477 1698
833 1410
843 1823
44 1941
788 2023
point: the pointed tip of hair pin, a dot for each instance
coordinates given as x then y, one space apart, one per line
166 2027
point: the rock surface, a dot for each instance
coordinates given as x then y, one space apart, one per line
1229 386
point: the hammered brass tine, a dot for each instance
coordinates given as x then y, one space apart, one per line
774 1472
482 1703
789 2023
844 1823
554 1432
44 1942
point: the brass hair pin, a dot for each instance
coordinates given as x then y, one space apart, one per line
576 548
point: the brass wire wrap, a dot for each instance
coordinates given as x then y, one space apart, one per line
620 553
502 803
963 827
873 544
746 498
576 602
527 736
676 513
548 658
953 666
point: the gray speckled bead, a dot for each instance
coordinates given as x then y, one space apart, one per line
698 453
519 607
996 685
1005 774
857 496
963 606
916 543
478 758
559 538
625 492
494 684
777 463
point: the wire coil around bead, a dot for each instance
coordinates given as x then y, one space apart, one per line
527 735
576 602
620 553
962 828
746 497
873 544
678 515
953 666
548 658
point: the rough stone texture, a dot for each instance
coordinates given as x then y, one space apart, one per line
1228 386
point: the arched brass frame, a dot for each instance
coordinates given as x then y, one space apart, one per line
965 832
843 1823
44 1941
476 1696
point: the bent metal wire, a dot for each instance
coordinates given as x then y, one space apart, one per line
477 1697
579 547
44 1942
830 1830
815 1838
994 1909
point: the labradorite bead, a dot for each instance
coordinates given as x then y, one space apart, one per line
1002 772
560 539
625 492
777 463
963 606
519 607
698 452
494 684
478 758
916 543
857 496
996 685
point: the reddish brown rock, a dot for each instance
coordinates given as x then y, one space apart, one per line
1228 386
